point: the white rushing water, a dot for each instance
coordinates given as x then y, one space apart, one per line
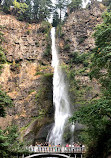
60 97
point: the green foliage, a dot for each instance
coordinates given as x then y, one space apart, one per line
101 61
78 93
9 142
35 11
5 101
12 135
20 9
28 15
1 37
79 59
41 10
96 115
28 32
75 4
47 51
61 5
44 95
106 2
39 73
45 27
59 30
6 5
2 57
67 47
56 19
3 145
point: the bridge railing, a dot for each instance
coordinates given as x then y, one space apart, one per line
44 149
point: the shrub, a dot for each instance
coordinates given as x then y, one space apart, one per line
2 57
79 59
48 50
66 47
82 39
45 27
5 101
28 32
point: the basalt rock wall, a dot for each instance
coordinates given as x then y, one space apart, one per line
75 48
26 76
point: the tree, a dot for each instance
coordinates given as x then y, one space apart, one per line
20 9
75 4
14 144
5 101
106 2
61 5
28 12
9 142
3 145
6 5
41 10
56 19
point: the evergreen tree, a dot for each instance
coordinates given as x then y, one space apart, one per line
14 145
3 145
28 13
75 4
61 5
6 5
4 102
20 9
56 19
106 2
41 10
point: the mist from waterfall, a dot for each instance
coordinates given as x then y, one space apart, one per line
60 97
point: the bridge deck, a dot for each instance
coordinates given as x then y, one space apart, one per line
44 149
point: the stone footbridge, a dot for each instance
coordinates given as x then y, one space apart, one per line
68 152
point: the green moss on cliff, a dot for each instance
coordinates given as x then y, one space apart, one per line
80 87
45 28
2 55
44 95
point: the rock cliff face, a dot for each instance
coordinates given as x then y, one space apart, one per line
26 70
76 44
27 75
78 29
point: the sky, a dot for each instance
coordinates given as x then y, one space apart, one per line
85 3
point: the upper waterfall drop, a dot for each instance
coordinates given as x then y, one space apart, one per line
60 97
55 59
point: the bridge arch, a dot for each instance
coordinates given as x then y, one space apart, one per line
47 155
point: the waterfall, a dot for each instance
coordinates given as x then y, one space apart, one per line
60 97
